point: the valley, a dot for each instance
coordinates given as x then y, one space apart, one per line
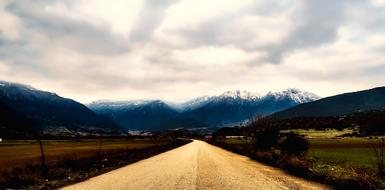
291 130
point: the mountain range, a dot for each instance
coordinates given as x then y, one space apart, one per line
343 104
25 111
229 108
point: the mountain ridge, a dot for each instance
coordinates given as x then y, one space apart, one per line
42 111
342 104
202 100
230 107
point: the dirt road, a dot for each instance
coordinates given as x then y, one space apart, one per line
197 165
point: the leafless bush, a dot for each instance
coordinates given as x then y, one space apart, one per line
379 162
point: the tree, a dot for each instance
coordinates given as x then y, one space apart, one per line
294 144
266 138
263 132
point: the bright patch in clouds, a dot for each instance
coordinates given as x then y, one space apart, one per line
179 49
119 15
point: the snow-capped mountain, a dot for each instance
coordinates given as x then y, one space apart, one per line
195 103
235 107
226 96
240 94
14 91
107 104
249 97
25 111
296 95
343 104
228 108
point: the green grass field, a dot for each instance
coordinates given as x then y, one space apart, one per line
344 162
330 149
349 156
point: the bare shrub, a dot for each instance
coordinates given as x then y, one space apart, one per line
379 162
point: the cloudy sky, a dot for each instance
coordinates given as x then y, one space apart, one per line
179 49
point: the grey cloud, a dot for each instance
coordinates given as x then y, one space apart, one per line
269 8
318 22
150 17
224 29
378 70
95 47
210 32
69 33
369 17
19 55
25 53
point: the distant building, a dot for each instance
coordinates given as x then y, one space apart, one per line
140 133
146 134
134 132
234 137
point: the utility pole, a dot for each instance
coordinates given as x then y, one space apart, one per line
43 172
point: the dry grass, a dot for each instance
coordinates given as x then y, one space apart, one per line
18 153
69 161
328 133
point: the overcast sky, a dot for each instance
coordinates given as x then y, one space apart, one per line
179 49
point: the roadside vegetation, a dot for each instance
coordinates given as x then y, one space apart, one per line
22 165
344 157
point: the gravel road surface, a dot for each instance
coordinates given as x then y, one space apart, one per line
197 165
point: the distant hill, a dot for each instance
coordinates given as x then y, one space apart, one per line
142 115
13 125
229 108
24 109
361 101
